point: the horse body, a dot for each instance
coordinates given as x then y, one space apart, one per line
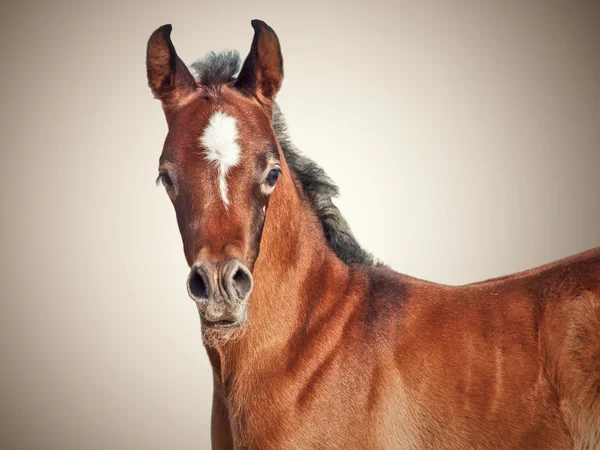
314 346
365 357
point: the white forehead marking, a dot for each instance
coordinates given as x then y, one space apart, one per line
220 144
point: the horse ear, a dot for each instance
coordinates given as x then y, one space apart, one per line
262 72
168 77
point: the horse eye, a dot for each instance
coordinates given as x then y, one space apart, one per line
272 177
166 180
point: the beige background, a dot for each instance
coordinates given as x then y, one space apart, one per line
465 140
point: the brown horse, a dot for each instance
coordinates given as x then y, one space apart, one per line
312 343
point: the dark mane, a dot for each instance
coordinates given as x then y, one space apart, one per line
221 68
320 189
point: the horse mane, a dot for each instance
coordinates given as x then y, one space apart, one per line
221 68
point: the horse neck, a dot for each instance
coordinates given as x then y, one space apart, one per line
293 252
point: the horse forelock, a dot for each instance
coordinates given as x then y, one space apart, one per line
217 68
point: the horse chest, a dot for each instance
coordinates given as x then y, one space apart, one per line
286 413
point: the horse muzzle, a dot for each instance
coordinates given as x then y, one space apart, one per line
221 291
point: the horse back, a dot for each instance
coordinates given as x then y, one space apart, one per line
513 360
569 296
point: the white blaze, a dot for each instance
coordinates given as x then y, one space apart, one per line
220 144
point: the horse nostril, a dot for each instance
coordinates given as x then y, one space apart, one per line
229 281
197 287
241 281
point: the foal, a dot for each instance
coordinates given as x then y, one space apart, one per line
313 345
